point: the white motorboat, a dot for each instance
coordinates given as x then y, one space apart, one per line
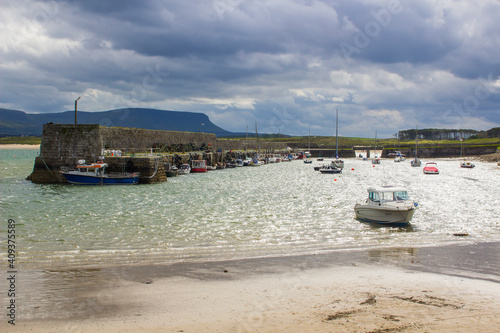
386 205
467 164
398 156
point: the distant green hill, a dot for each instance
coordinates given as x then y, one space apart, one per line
18 123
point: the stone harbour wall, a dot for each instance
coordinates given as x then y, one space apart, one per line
63 145
136 138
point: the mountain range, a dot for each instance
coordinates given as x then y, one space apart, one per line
20 123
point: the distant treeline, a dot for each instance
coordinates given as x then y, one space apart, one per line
447 134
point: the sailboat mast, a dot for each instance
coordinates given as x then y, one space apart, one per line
337 135
416 141
246 139
309 139
257 136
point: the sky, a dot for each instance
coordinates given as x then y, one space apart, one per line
286 66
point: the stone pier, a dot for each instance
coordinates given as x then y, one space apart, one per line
63 145
130 149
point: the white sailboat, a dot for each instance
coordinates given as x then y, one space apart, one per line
465 163
416 162
308 153
376 159
338 163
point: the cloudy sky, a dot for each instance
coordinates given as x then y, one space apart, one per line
286 64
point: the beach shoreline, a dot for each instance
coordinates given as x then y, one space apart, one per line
376 290
18 146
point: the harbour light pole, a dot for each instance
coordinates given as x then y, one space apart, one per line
76 107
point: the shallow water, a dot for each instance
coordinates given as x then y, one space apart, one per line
272 210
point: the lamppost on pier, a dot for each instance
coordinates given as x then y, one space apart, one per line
76 107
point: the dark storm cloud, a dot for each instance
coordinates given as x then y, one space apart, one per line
286 64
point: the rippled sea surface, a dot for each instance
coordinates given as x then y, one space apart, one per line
271 210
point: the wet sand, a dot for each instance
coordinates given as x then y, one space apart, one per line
437 289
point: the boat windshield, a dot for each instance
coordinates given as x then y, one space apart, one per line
401 195
389 196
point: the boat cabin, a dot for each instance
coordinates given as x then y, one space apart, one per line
387 193
92 169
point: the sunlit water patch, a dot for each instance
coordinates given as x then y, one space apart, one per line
276 209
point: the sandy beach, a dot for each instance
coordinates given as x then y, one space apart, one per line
18 146
442 289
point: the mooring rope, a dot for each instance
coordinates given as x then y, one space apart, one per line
41 157
157 164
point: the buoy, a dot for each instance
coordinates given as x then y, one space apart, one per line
335 180
352 169
373 166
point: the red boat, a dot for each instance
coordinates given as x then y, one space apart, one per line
431 168
199 166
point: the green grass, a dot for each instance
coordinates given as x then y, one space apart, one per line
328 141
21 140
316 141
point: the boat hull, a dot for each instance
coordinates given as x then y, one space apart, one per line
330 171
416 163
383 215
106 180
198 170
467 165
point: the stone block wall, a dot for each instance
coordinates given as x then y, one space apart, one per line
136 138
66 144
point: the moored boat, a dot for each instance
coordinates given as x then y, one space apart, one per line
416 162
256 162
399 157
198 166
184 169
467 164
430 168
95 174
330 168
387 205
170 170
338 163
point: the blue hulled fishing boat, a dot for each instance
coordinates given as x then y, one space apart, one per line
95 174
